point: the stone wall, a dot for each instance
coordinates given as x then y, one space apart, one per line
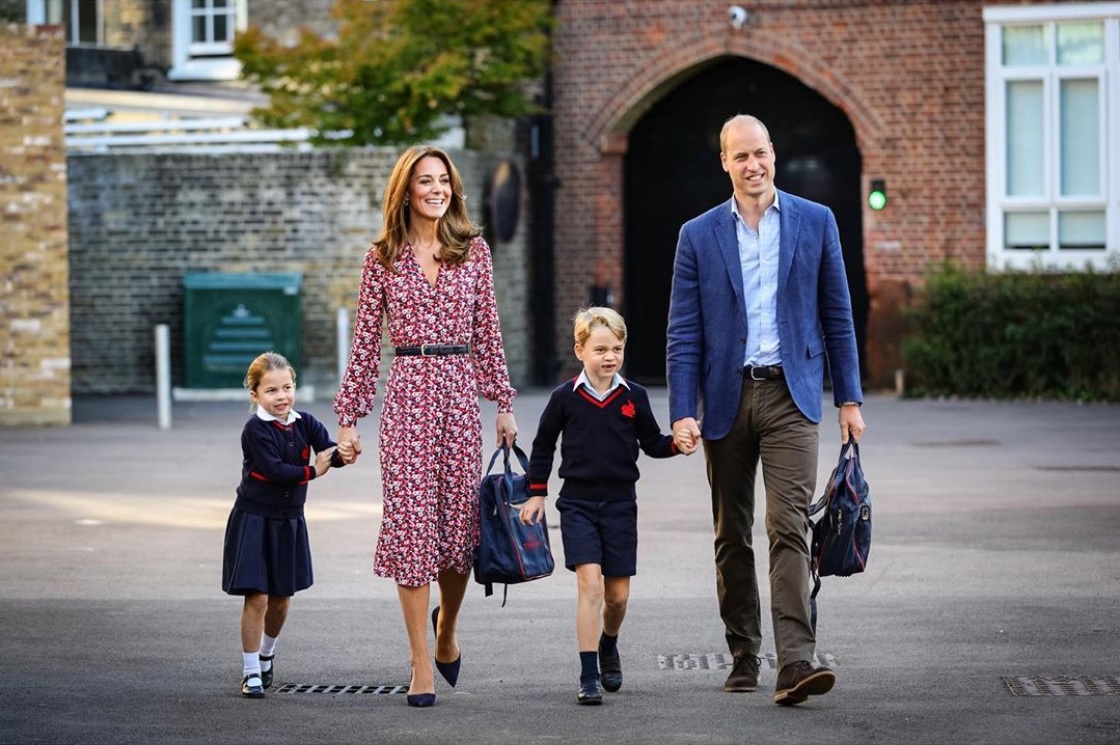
140 222
34 311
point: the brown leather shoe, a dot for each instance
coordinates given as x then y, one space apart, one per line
744 675
799 680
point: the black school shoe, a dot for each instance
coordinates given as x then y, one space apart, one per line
252 687
610 667
266 675
590 693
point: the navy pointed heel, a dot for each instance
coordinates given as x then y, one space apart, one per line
449 670
421 700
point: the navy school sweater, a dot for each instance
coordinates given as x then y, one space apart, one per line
274 467
600 441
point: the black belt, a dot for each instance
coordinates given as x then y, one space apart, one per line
763 372
433 350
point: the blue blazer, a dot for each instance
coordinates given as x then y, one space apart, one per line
707 334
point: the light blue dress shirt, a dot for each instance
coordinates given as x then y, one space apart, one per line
758 257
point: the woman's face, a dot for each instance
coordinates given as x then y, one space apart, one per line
429 189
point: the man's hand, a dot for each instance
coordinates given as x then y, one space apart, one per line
686 434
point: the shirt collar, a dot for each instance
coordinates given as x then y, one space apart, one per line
292 416
616 381
735 205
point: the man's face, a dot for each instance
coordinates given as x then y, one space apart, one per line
748 157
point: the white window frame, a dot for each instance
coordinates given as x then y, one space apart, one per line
202 62
37 16
1051 76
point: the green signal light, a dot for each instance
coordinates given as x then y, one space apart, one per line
877 198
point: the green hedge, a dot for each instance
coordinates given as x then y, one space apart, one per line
975 333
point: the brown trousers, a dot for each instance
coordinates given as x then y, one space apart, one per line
770 427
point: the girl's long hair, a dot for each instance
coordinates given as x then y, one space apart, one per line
455 228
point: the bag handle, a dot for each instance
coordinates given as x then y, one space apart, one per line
504 451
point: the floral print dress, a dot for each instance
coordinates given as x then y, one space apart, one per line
431 431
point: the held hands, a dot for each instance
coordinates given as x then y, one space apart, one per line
851 423
532 510
323 461
507 429
349 444
686 435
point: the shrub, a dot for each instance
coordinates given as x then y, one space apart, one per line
1016 334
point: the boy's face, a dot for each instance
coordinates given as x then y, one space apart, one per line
601 354
275 393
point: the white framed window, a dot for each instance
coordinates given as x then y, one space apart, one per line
202 34
1052 77
81 19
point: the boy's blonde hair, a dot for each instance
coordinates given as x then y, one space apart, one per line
261 366
587 319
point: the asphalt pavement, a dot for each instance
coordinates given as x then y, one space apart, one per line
989 612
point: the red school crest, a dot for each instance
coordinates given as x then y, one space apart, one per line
629 410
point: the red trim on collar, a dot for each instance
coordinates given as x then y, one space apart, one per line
602 404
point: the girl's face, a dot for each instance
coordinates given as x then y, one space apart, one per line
601 355
429 189
275 393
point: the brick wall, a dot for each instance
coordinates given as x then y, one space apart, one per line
34 317
908 74
139 222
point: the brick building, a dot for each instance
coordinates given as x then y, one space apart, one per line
988 121
34 294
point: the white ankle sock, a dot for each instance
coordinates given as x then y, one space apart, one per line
252 663
268 645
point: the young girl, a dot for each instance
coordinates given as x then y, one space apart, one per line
603 418
267 557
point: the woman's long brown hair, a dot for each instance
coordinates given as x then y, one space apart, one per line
455 228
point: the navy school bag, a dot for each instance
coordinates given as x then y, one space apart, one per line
841 536
508 551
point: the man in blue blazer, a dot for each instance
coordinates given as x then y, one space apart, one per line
759 300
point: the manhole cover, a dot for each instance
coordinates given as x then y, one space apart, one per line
724 661
1061 685
340 688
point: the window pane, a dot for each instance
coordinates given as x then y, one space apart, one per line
1081 230
1024 45
1081 43
1080 135
87 21
1027 230
222 28
198 30
54 12
1024 138
198 4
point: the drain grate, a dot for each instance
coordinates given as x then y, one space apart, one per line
1061 685
1080 469
724 661
337 688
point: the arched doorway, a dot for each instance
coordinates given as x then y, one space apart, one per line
672 174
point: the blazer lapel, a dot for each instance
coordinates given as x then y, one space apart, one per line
789 216
728 243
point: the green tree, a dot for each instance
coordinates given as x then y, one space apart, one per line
398 66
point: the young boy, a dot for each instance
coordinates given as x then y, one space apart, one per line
603 419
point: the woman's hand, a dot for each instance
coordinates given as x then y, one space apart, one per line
507 429
532 510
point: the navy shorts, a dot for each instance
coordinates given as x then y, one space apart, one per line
603 533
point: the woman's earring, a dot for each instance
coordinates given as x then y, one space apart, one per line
406 201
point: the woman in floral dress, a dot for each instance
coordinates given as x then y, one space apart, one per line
430 274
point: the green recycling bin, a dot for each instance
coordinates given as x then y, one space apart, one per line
229 319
